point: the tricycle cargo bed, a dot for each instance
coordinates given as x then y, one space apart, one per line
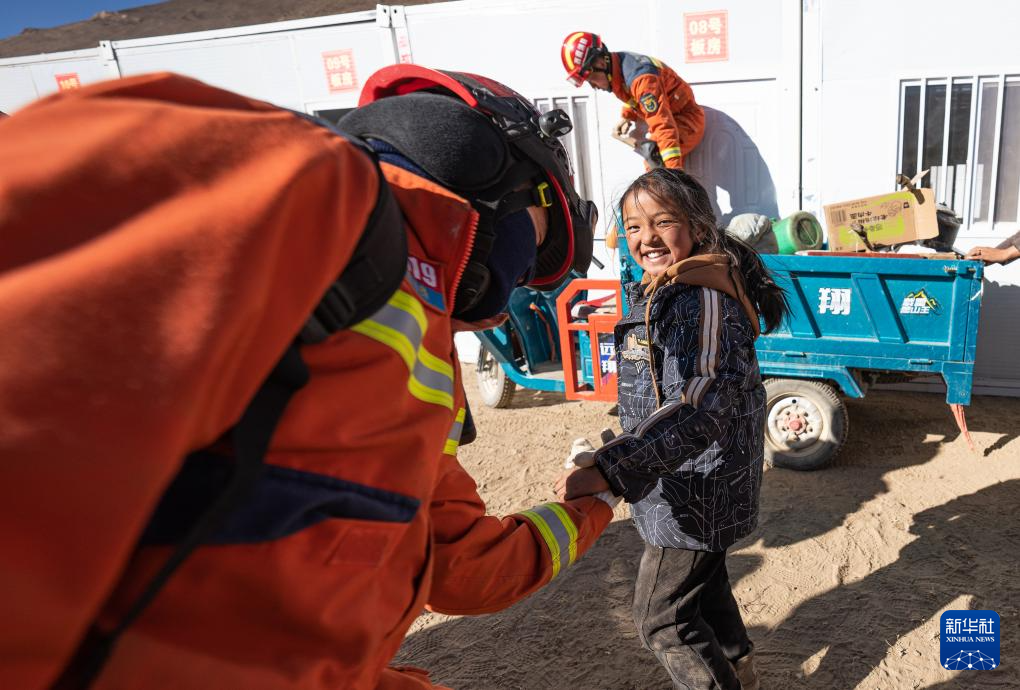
857 314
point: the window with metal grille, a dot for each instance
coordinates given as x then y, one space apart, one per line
576 142
966 132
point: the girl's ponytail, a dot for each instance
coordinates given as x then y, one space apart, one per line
767 297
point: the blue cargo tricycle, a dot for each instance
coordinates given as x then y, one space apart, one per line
855 321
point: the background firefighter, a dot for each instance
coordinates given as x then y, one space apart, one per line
657 101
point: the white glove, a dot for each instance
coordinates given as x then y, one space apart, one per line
608 498
580 445
582 452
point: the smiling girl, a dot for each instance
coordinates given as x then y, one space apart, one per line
692 406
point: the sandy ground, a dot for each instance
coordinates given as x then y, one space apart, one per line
841 586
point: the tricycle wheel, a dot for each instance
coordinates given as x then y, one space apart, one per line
805 423
495 386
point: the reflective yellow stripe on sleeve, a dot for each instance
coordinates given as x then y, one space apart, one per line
558 532
453 440
570 527
401 324
670 153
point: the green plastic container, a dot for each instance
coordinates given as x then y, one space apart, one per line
798 232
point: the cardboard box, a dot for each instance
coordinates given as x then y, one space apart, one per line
887 219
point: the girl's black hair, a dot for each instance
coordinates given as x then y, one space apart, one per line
679 191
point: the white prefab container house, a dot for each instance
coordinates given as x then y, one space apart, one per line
307 64
808 101
25 79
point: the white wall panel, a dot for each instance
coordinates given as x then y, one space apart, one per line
258 66
280 63
25 79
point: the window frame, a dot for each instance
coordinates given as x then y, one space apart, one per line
977 79
584 171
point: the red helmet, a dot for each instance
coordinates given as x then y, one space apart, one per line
580 50
524 148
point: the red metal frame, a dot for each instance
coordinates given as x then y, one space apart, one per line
595 324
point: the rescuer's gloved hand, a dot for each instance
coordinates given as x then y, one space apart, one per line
623 128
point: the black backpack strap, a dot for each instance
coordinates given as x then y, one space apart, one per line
372 275
374 271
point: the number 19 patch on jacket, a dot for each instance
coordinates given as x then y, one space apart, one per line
426 278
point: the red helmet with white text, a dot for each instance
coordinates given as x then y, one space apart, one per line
580 49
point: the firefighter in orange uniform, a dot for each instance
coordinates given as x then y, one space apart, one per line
171 519
652 92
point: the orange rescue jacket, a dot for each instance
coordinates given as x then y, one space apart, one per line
163 243
656 94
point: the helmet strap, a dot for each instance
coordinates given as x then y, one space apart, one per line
474 281
511 263
524 198
505 199
608 69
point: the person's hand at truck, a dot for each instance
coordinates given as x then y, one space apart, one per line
1007 251
993 255
623 128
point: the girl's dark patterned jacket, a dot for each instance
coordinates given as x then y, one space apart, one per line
690 465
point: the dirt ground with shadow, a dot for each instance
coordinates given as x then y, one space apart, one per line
841 586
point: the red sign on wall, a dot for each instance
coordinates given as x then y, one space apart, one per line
340 73
68 82
706 36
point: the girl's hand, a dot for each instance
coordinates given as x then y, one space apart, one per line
583 481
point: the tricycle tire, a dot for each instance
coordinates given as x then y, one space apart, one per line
806 423
495 387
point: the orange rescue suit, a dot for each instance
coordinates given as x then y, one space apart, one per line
163 243
656 94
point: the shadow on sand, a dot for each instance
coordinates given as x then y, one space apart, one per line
563 635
